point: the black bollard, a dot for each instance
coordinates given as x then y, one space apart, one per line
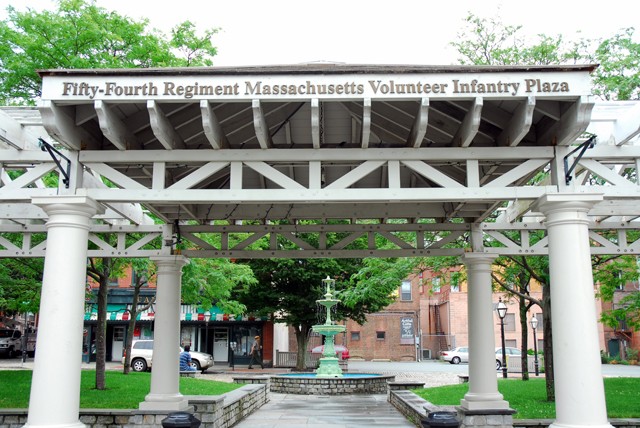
180 420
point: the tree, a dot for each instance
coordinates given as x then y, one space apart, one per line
614 274
79 34
618 76
101 270
142 270
287 290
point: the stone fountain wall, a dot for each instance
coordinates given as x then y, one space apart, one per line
330 386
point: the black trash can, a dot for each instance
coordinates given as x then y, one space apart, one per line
441 419
180 420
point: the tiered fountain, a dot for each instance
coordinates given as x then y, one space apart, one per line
328 378
329 366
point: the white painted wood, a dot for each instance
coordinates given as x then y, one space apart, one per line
274 175
419 128
114 129
199 175
315 123
432 174
355 175
162 128
470 125
572 123
212 128
61 125
519 125
366 123
520 171
260 125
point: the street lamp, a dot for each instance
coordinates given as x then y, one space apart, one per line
534 325
207 317
502 312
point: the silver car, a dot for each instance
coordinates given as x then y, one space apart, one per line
142 357
456 355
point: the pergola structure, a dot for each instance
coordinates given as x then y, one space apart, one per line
419 160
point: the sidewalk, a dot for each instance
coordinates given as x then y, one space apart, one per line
339 411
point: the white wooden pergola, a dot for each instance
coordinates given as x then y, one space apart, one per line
320 156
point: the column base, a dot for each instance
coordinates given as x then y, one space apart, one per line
164 402
482 418
480 402
54 425
563 425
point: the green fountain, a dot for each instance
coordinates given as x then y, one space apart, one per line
329 366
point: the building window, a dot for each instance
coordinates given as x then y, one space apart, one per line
455 282
405 291
510 322
380 335
355 335
112 282
511 343
435 284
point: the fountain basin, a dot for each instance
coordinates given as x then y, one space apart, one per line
348 383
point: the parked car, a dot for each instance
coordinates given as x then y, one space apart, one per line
142 357
456 355
509 353
461 355
338 348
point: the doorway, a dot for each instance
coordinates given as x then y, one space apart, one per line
221 345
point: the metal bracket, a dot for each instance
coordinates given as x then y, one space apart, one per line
589 144
44 146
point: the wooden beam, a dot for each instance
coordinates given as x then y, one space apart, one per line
366 122
572 123
315 123
60 124
162 128
470 125
419 128
260 125
114 129
519 125
212 129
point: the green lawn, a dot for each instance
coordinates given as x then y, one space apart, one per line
123 391
529 398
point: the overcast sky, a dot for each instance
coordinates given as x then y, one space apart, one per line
258 32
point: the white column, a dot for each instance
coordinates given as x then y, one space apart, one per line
483 382
165 372
579 387
55 387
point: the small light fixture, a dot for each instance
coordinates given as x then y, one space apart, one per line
502 310
534 322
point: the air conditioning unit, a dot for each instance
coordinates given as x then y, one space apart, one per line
426 354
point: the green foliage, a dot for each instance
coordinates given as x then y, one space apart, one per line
79 34
491 42
488 41
124 392
207 282
290 287
375 285
618 76
529 398
20 278
613 273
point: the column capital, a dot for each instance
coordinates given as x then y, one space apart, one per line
478 258
68 204
566 202
176 260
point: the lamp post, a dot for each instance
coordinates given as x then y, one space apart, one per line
502 312
534 325
207 317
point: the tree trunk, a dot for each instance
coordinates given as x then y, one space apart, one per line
548 344
131 327
524 359
101 334
302 339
